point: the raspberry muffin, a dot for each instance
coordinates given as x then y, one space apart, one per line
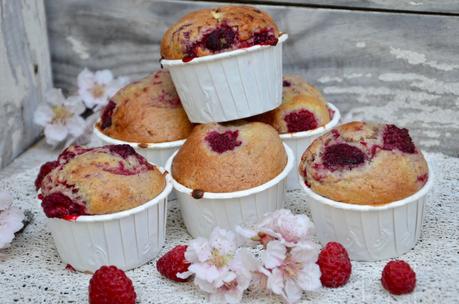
146 111
303 108
364 163
210 31
93 181
228 158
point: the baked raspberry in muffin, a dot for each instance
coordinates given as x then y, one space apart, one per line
364 163
210 31
91 181
230 157
146 111
303 108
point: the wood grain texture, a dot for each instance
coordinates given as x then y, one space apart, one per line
400 68
25 73
416 6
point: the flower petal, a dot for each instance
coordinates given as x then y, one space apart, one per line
223 240
293 292
88 99
54 97
204 285
85 79
198 250
43 115
305 252
5 200
274 254
276 282
55 133
10 222
309 277
75 104
205 271
103 76
76 125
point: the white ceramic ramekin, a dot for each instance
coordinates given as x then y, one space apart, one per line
229 85
230 209
157 153
126 239
370 233
299 141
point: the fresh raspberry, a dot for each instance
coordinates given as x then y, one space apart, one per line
335 265
173 262
398 277
110 285
44 170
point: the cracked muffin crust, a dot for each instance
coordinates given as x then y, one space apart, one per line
364 163
146 111
303 108
230 157
91 181
210 31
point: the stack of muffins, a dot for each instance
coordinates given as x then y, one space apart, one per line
238 124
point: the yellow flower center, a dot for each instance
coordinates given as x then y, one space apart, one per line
97 90
61 114
219 260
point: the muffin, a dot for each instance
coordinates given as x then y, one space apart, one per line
303 108
364 163
93 181
210 31
228 158
146 111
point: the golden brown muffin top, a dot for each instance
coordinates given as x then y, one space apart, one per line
103 180
303 108
364 163
231 157
146 111
209 31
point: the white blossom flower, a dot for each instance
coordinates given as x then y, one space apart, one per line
10 220
60 116
280 225
221 269
292 270
96 88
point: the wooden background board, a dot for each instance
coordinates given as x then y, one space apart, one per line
25 73
395 67
421 6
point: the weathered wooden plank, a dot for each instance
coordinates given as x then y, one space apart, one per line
25 73
402 68
420 6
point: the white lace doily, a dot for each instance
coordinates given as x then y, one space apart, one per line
31 271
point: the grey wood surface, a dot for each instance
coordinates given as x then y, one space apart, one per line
25 73
394 67
416 6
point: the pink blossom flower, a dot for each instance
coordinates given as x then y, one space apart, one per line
96 88
220 268
292 270
60 117
280 225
